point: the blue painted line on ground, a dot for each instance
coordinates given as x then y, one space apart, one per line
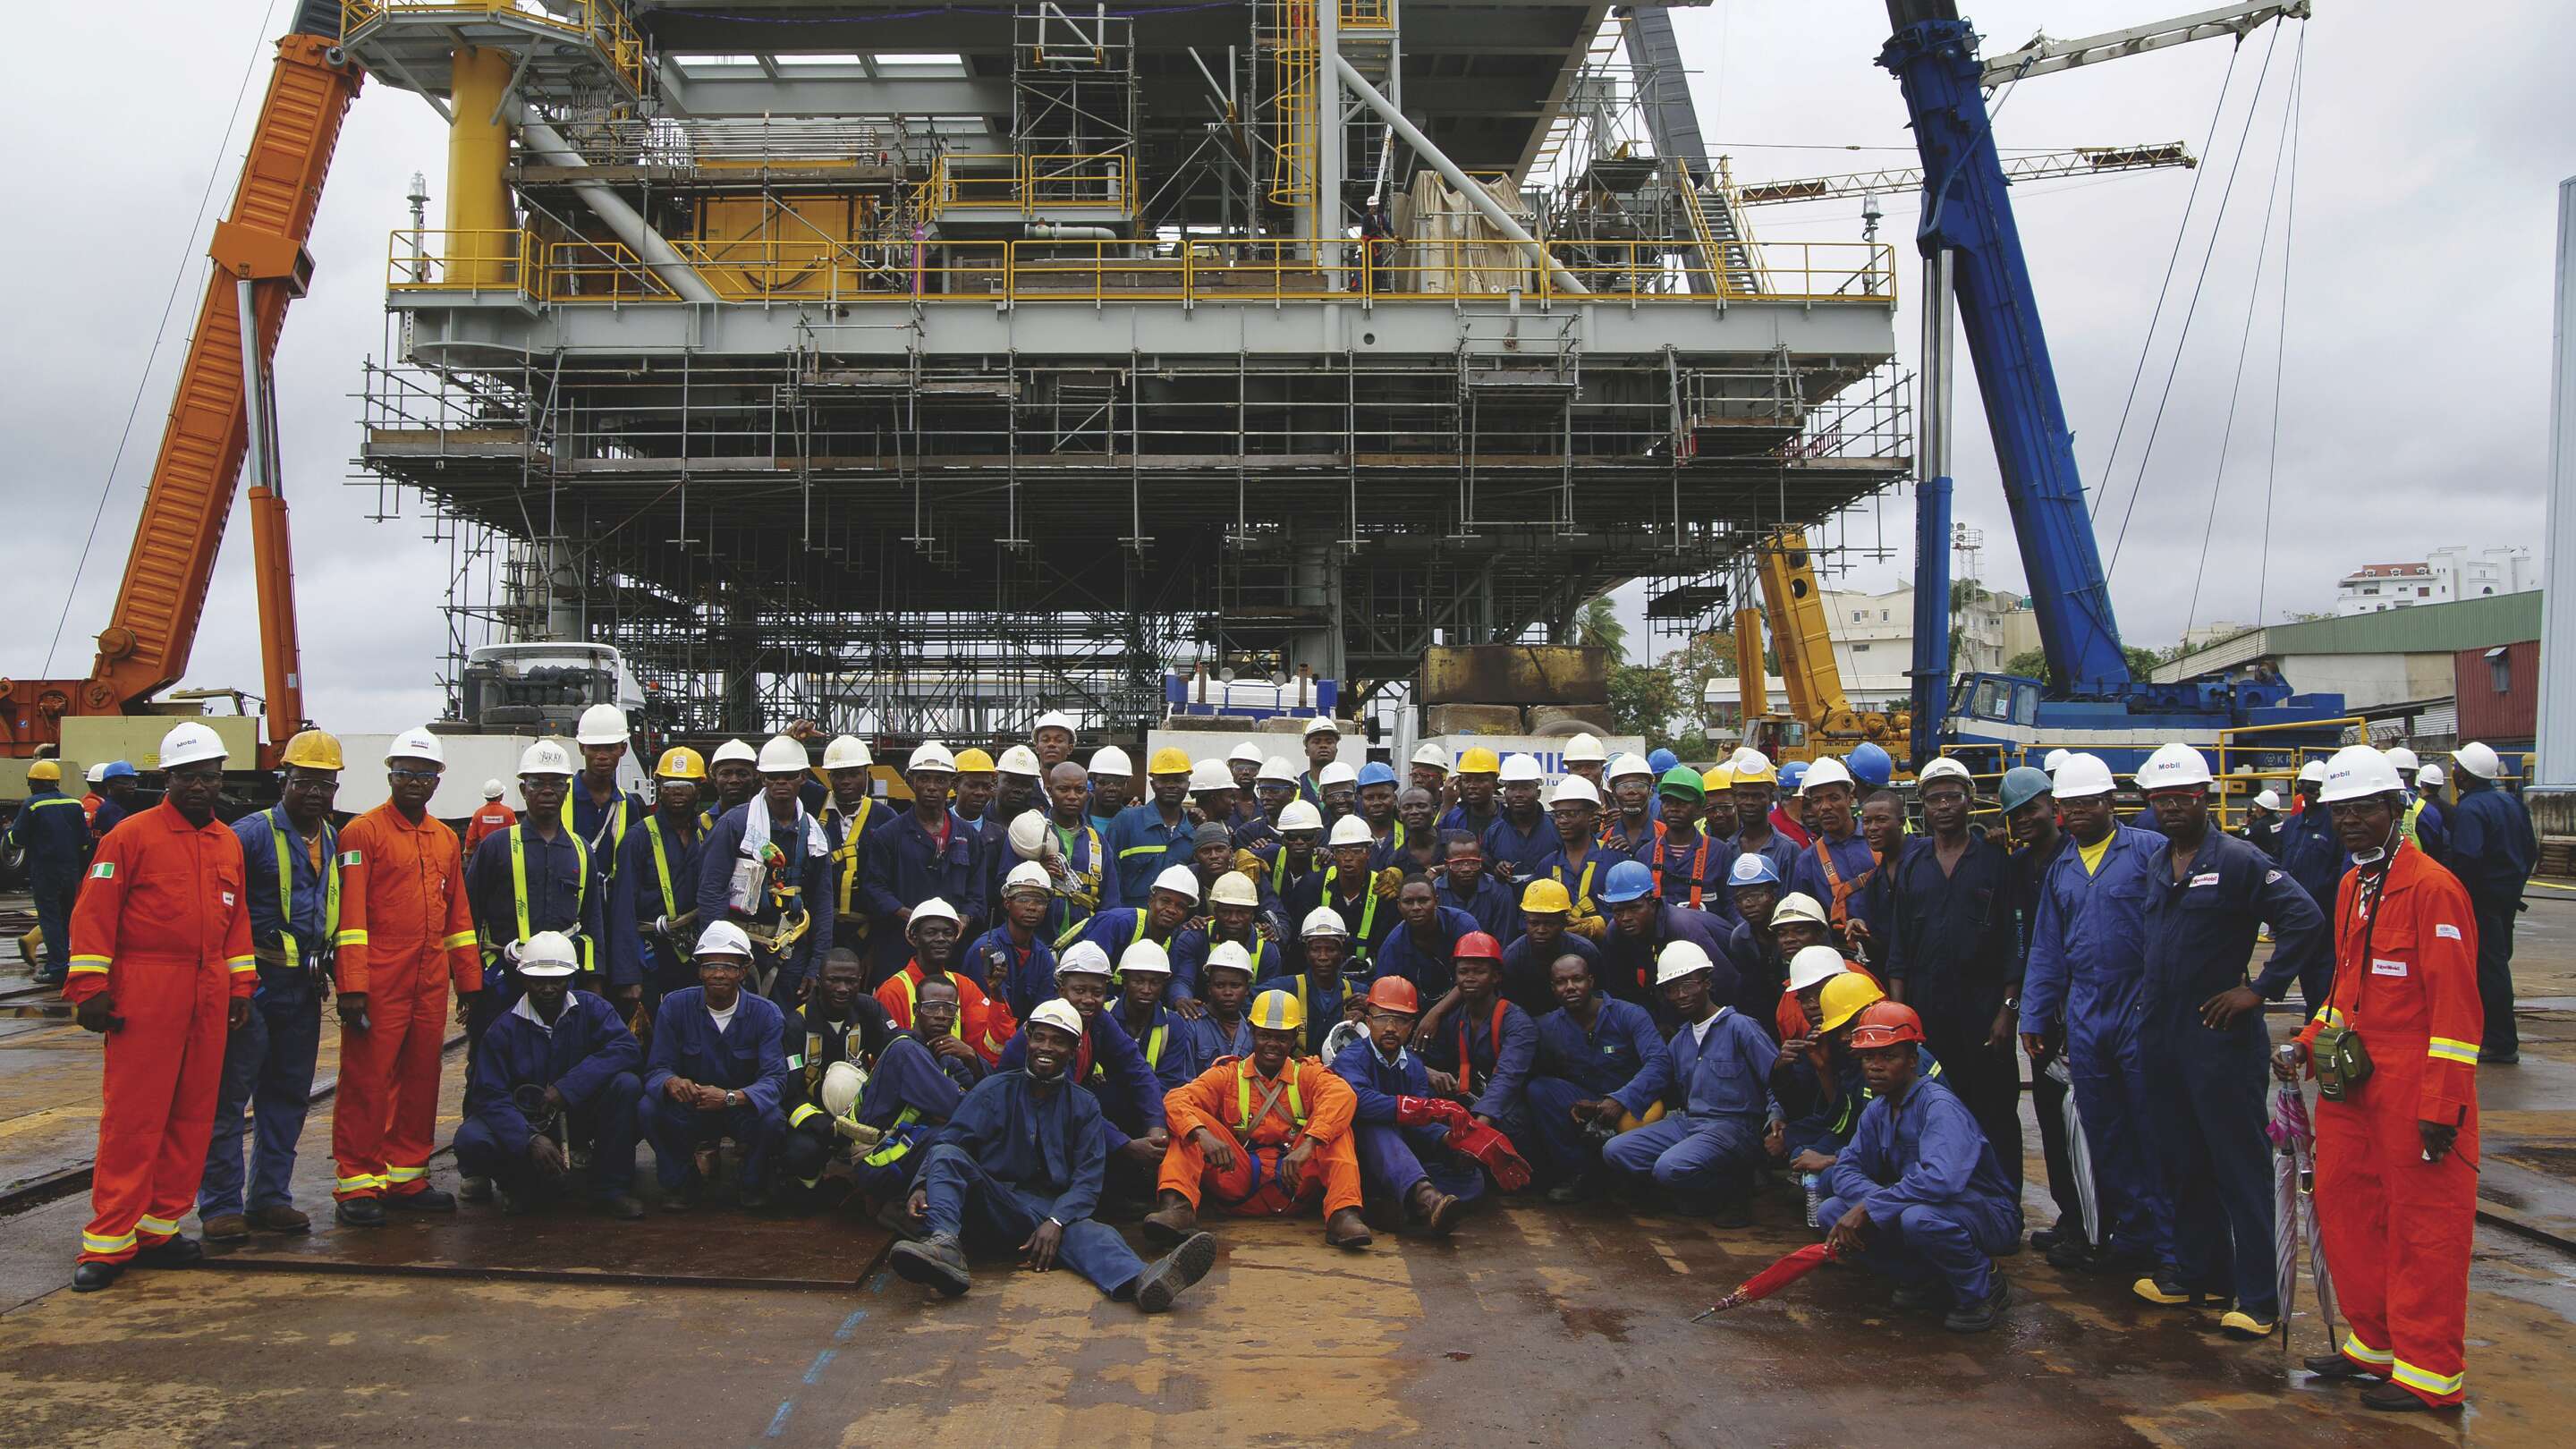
778 1421
878 1283
849 1327
822 1361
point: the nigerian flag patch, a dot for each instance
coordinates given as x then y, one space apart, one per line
796 1062
104 870
349 857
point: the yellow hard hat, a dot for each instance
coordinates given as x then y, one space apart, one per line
313 750
1718 778
680 763
44 770
1168 761
1545 895
1480 761
1747 772
1845 995
974 762
1278 1011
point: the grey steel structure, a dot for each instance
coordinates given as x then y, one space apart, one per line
918 369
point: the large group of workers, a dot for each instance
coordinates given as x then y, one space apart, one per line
1032 997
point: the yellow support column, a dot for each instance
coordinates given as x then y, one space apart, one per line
482 239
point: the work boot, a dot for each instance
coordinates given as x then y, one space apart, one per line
2165 1288
1346 1229
2336 1366
1171 1224
1433 1208
682 1198
2398 1399
427 1200
1730 1212
2237 1323
1165 1277
511 1204
91 1277
622 1205
2063 1230
892 1217
278 1218
474 1189
935 1262
1920 1297
1979 1316
358 1212
227 1228
176 1251
2072 1254
752 1196
1576 1189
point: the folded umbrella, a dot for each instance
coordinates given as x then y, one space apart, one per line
2079 1154
1790 1268
2289 1114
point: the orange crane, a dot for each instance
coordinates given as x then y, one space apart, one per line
224 415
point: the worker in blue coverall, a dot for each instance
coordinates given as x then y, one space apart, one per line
1238 913
558 1072
1597 1060
1156 833
1546 913
719 1062
1019 1168
912 1089
533 876
119 795
2313 857
1753 885
767 867
2208 1055
1918 1195
1324 952
1464 884
1483 1042
1522 835
1402 1168
53 830
1715 1087
2493 851
1014 962
928 851
1110 1066
1642 923
290 871
1364 899
1419 949
1079 867
1696 863
1137 1004
653 899
2087 967
1224 1028
1161 914
1839 865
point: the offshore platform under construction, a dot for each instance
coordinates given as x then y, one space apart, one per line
917 368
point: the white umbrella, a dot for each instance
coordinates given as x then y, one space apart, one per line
2294 1204
2079 1154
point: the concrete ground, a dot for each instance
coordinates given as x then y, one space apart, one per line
1533 1326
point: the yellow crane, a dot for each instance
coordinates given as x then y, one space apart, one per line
1820 717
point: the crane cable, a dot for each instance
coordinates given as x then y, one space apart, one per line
2245 339
2281 345
2182 340
178 279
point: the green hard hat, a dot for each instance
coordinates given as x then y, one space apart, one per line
2021 785
1682 781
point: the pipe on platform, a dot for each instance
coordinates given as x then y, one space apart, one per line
1059 231
1476 195
482 232
547 144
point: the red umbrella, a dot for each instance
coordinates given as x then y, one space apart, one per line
1779 1275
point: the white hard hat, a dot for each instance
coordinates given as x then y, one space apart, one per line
1020 760
491 789
1583 747
847 752
1029 835
1813 964
1748 758
1623 764
1210 775
1111 760
1028 875
545 757
1520 768
1324 921
1248 752
1276 771
1322 724
724 938
1574 789
1944 768
843 1081
1083 958
548 953
1350 830
2312 773
933 909
1145 956
1827 771
1798 906
2478 759
1059 1014
732 750
1336 773
2269 799
2356 772
1432 755
2054 759
931 755
1679 959
1233 888
1300 815
1231 956
1180 880
2173 767
782 756
418 744
1055 719
2081 775
95 773
2404 759
601 724
2429 777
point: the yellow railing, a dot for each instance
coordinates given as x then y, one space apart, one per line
1008 181
599 21
1367 14
1288 131
492 260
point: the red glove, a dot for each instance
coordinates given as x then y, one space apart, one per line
1511 1171
1431 1112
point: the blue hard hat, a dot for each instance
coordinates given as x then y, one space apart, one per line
2021 785
1662 760
1790 774
1870 765
1629 881
1374 773
1752 868
117 770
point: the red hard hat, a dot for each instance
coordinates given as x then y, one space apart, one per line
1394 993
1477 946
1884 1024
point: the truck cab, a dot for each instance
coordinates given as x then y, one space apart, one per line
541 689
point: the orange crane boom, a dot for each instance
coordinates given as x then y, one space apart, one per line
222 415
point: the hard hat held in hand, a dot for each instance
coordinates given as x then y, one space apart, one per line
1029 835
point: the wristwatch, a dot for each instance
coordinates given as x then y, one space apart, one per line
2012 1003
732 1097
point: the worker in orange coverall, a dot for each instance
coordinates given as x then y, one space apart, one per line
2397 1150
1267 1134
162 964
406 935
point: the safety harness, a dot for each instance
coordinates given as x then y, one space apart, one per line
519 891
289 954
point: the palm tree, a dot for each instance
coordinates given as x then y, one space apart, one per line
1597 625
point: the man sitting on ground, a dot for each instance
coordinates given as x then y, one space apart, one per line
557 1070
1717 1102
1267 1135
1405 1165
1597 1059
719 1060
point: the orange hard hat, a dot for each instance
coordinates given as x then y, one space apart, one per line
1394 993
1477 946
1885 1024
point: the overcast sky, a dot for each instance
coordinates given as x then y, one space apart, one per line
2414 410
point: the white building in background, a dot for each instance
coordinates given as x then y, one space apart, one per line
2445 574
1874 640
